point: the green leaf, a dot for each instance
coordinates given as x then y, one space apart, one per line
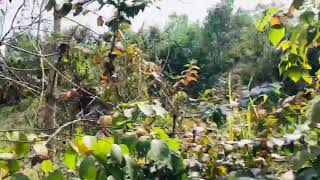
308 16
87 169
124 149
276 34
143 145
19 176
46 166
66 8
116 153
297 3
102 148
264 18
300 158
55 175
295 74
51 4
70 158
161 133
159 150
13 166
131 167
101 173
306 77
173 144
130 139
21 148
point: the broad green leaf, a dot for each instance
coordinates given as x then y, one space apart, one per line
306 77
295 74
87 169
102 148
159 150
161 133
307 16
22 147
130 139
13 166
116 153
46 166
19 176
55 175
124 149
262 22
143 145
276 34
66 8
300 158
70 158
101 173
264 18
173 144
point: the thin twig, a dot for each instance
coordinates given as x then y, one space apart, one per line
28 52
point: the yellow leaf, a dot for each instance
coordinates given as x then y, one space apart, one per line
116 52
222 171
84 144
96 59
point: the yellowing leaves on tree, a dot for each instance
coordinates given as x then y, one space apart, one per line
275 20
116 52
85 144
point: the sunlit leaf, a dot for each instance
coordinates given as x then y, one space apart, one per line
70 158
102 148
46 166
87 169
276 34
124 149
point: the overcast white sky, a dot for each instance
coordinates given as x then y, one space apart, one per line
195 9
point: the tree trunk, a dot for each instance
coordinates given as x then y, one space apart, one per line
50 107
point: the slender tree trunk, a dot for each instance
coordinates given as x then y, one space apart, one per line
50 107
